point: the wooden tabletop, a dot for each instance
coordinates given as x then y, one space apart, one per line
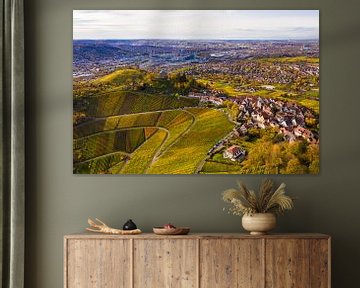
89 235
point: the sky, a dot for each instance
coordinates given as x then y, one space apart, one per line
196 24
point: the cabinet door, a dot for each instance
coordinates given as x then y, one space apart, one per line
231 263
287 263
98 263
165 263
320 263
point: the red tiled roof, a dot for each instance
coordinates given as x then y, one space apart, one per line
233 149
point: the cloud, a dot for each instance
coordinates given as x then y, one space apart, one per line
196 24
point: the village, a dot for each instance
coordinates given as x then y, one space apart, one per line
249 76
288 118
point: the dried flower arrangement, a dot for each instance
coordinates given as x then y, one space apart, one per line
247 202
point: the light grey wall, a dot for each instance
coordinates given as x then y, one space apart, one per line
59 202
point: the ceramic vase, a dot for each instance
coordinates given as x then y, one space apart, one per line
259 223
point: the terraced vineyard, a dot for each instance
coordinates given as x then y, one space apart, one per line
119 102
186 155
135 133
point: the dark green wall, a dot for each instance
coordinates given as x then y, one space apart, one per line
59 202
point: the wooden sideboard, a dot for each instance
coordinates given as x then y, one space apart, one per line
197 260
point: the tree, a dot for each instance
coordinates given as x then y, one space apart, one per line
298 148
295 167
314 167
311 122
233 109
234 112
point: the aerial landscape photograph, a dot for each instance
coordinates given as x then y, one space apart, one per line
196 92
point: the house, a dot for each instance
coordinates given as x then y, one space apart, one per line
258 118
288 134
163 74
234 153
268 87
273 124
242 130
215 100
283 123
305 133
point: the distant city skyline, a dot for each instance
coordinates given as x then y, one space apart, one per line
196 24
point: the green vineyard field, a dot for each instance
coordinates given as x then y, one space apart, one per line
101 164
130 102
185 156
171 142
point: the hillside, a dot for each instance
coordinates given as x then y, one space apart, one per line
129 102
135 79
153 142
135 121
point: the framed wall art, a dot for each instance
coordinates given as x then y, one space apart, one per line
196 92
